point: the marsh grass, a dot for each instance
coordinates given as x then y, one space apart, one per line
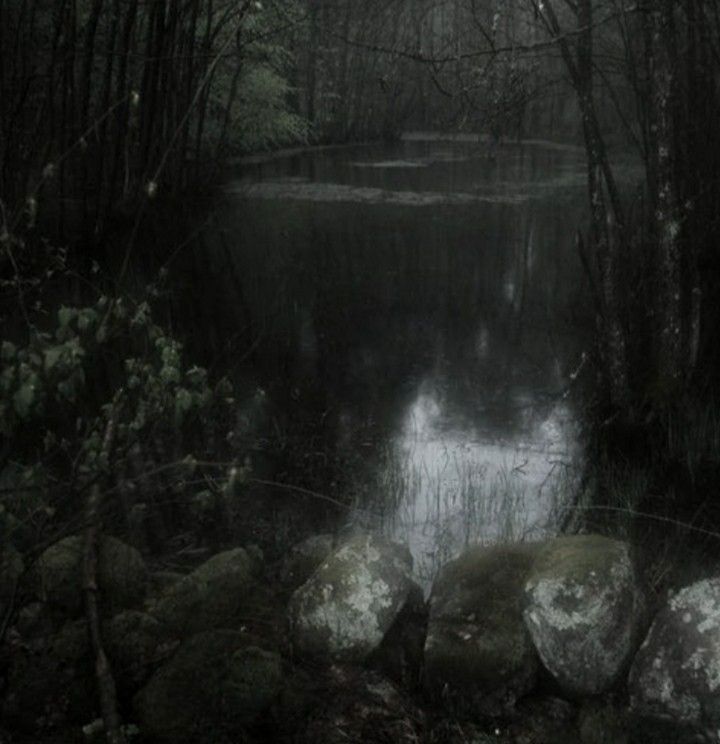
440 508
663 503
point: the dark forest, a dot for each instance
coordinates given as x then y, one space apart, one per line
359 377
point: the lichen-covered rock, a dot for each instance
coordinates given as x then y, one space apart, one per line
122 575
583 607
212 596
344 610
305 557
216 684
676 673
477 645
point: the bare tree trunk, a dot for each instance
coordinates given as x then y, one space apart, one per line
121 119
669 309
93 531
312 61
202 107
607 223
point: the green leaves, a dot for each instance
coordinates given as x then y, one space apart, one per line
65 316
262 118
7 352
60 389
25 397
52 357
55 367
184 402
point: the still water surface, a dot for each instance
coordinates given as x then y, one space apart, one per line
413 310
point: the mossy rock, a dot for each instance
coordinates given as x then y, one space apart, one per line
52 688
477 644
56 577
136 644
305 558
162 581
348 605
253 682
212 596
216 684
675 677
583 609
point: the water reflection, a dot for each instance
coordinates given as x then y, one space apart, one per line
421 345
451 486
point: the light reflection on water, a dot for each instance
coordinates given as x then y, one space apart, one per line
454 487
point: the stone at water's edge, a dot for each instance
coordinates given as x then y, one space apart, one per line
344 610
583 608
212 596
676 673
477 645
305 557
216 684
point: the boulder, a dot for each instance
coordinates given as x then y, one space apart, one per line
675 676
305 558
359 706
583 608
161 581
477 645
34 624
253 683
56 577
52 685
136 643
216 684
212 596
400 656
51 679
347 606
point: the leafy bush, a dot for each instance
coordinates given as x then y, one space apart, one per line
262 118
105 362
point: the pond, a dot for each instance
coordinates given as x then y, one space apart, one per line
415 316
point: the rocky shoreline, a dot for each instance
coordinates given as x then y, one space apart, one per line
551 642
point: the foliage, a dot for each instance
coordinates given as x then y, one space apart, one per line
59 390
140 94
260 117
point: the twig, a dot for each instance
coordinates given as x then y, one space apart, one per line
11 608
307 492
646 515
103 672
